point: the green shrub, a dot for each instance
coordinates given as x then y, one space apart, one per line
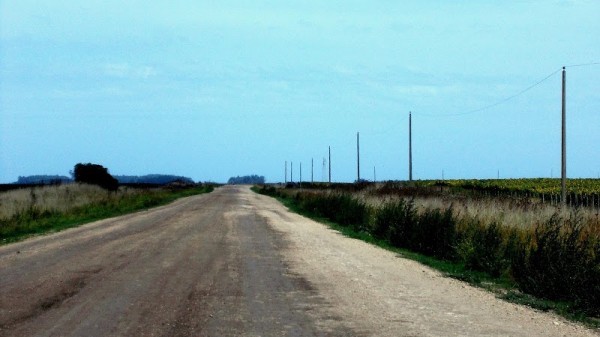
395 221
562 263
486 249
431 233
351 212
340 208
435 233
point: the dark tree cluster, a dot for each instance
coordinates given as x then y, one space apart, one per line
157 179
96 175
246 180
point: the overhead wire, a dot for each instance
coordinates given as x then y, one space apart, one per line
583 64
502 101
506 99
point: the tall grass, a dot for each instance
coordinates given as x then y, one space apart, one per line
340 208
39 209
55 198
554 256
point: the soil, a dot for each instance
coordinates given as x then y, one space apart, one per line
235 263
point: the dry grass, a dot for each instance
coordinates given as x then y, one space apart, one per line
60 198
523 214
38 210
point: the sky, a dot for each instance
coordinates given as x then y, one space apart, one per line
215 89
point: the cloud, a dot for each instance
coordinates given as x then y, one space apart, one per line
70 94
116 69
417 90
145 72
125 70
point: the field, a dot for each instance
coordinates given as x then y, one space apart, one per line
28 211
536 185
580 192
519 239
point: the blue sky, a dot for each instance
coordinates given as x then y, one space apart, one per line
212 90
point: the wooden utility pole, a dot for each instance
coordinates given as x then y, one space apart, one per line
563 182
285 179
300 173
312 170
410 146
329 164
357 158
291 171
374 175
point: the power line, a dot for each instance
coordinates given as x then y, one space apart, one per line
583 64
504 100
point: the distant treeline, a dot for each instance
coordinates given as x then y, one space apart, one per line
158 179
43 180
246 180
153 179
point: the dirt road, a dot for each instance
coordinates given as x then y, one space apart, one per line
234 263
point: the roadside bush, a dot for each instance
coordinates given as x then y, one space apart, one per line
435 233
268 190
431 233
395 221
482 248
351 212
562 263
383 218
312 203
340 208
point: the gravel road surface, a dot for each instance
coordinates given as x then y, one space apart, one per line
234 263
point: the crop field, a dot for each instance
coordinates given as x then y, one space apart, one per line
580 192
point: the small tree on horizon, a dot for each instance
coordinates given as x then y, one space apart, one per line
96 175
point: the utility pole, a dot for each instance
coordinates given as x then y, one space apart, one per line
357 157
374 175
330 164
300 173
312 170
410 146
292 172
285 179
563 183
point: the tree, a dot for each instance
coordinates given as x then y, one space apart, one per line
95 174
251 179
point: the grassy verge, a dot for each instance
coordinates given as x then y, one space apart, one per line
35 219
475 263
